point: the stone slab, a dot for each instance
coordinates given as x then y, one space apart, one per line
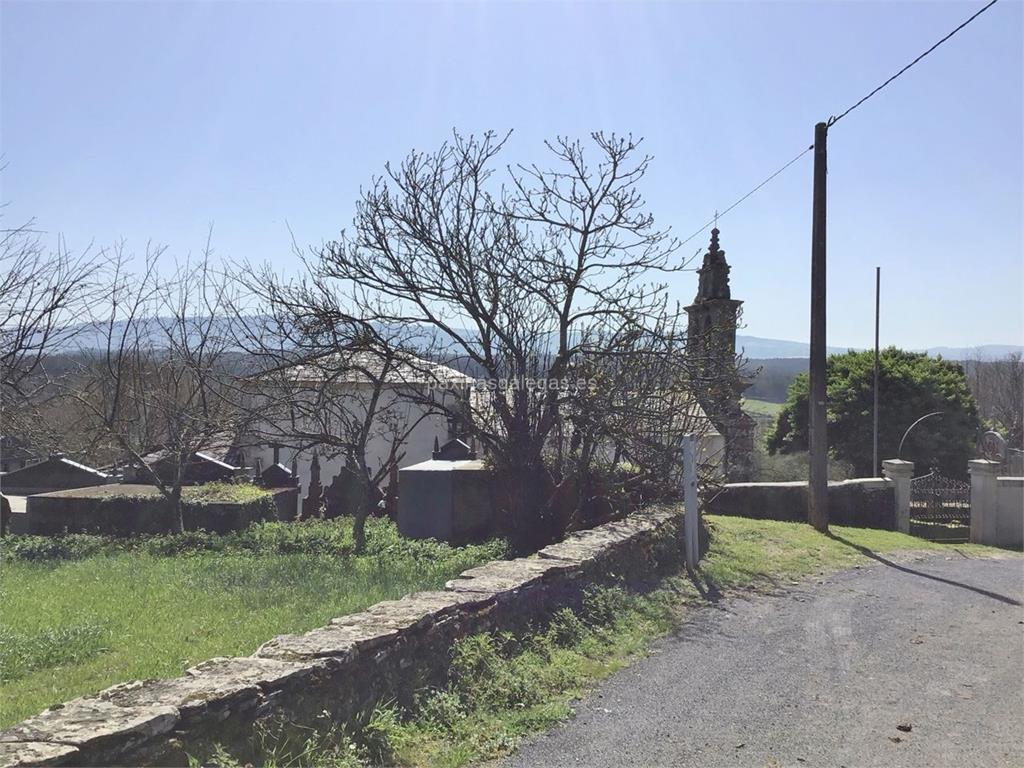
362 632
221 683
92 724
500 576
24 753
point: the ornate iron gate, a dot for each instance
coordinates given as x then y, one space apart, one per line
940 508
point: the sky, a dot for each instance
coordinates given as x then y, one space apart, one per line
152 122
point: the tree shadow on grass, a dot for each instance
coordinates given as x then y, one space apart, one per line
884 561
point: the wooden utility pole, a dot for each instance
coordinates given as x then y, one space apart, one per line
874 426
817 509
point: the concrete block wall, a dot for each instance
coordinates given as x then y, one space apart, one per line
337 673
864 502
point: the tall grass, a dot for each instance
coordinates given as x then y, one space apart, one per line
83 612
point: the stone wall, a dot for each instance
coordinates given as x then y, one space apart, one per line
997 506
864 503
129 510
337 673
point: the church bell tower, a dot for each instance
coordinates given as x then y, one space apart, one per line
711 346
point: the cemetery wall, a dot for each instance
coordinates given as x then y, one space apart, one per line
864 502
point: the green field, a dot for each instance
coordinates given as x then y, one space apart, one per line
82 613
762 407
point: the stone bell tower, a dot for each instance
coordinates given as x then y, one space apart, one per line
711 346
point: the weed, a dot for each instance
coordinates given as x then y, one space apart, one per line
602 605
565 629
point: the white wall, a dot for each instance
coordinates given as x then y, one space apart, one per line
392 412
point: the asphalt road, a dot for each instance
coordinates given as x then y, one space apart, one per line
823 675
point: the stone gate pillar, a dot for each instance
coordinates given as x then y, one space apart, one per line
983 499
900 472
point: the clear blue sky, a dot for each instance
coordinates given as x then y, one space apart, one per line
149 121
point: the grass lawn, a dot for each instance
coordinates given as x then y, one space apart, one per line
759 553
82 613
505 688
762 407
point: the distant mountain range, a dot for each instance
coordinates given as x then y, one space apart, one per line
753 347
758 348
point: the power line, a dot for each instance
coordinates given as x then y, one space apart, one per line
833 120
717 215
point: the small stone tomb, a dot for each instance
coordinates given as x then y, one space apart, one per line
447 498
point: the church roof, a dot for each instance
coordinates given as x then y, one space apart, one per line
342 368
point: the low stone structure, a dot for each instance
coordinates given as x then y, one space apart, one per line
865 502
284 484
447 498
129 510
337 673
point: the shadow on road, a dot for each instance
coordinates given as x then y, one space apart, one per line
875 556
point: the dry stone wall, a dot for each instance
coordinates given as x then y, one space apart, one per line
337 673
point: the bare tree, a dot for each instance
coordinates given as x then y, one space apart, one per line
998 388
44 297
519 283
328 381
158 387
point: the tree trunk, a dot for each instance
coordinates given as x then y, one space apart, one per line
527 495
177 512
362 511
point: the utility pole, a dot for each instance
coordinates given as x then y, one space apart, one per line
691 514
817 509
874 426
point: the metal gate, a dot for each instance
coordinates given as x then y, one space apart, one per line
940 508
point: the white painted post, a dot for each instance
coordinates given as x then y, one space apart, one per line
900 472
691 516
